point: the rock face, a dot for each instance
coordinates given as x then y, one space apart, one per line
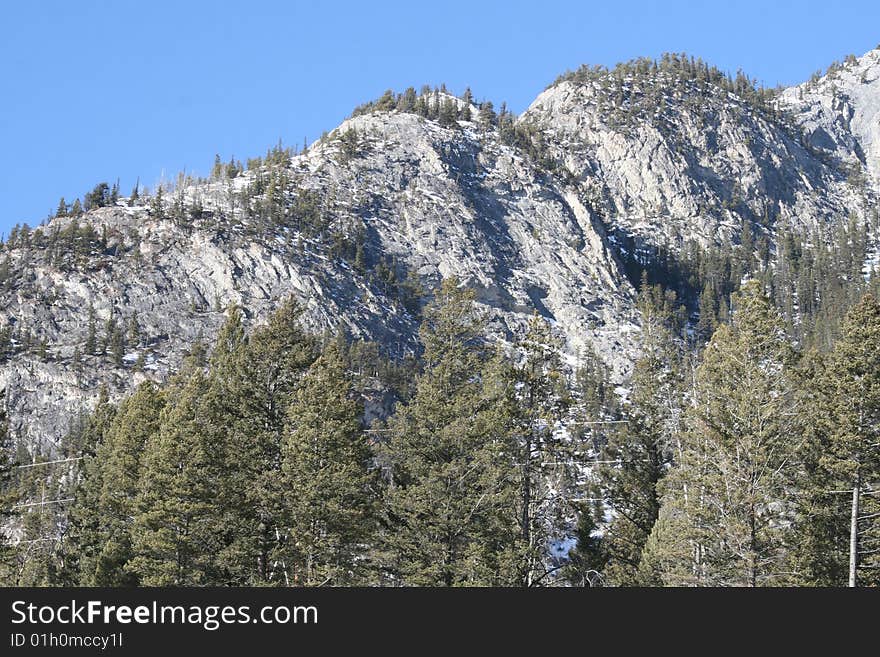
392 202
687 159
840 113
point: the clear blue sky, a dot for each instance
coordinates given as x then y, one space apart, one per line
96 91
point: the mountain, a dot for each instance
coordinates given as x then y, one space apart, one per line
839 113
556 211
677 151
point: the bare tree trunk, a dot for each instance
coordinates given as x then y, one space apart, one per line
854 530
526 520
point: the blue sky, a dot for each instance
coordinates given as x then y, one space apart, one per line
95 91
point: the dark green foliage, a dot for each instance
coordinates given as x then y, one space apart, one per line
91 346
351 145
725 503
99 197
255 384
543 474
634 90
635 455
176 531
329 486
428 103
588 559
449 504
844 403
111 486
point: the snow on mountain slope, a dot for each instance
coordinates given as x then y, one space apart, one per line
672 158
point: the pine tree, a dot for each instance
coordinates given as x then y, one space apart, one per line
821 534
329 489
9 555
708 312
258 377
449 504
91 346
637 453
79 552
850 389
724 508
588 559
118 461
177 530
538 400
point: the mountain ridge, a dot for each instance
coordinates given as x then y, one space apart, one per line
553 212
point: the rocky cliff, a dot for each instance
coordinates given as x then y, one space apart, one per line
537 214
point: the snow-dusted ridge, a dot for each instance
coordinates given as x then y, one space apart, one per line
442 201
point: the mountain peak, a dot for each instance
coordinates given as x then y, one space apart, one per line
839 112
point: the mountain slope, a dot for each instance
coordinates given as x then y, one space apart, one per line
419 200
677 152
840 113
552 212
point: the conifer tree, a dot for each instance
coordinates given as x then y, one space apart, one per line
637 453
538 400
329 489
724 508
118 458
91 345
79 552
850 389
258 376
8 500
450 505
821 534
177 531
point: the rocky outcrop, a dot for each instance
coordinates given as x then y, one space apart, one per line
391 202
840 113
433 201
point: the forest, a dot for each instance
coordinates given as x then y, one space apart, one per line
750 458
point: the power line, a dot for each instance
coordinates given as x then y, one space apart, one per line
65 499
34 465
39 540
600 422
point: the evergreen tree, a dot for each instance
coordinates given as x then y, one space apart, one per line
118 460
258 376
637 453
821 533
538 400
177 530
91 346
588 558
98 197
724 508
9 555
329 489
850 417
80 550
449 503
135 193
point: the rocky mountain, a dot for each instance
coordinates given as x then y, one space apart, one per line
839 113
678 152
547 212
